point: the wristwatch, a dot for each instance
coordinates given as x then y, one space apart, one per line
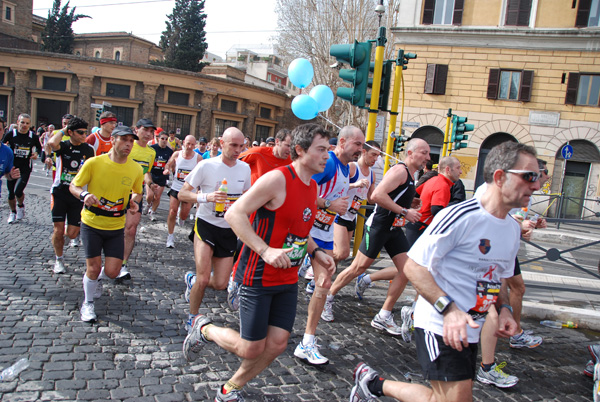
442 304
327 203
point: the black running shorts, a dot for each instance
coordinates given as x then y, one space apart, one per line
349 225
65 207
375 239
222 240
112 242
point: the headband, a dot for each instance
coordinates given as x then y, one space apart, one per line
107 119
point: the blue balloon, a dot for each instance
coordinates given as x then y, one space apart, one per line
323 95
301 72
305 107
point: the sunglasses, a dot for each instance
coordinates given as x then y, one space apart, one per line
544 171
82 132
526 175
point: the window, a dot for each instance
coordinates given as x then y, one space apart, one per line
518 12
435 79
78 53
583 89
54 83
8 13
510 84
221 125
588 13
265 112
180 123
117 90
124 114
228 106
179 98
1 77
117 55
443 12
262 132
97 54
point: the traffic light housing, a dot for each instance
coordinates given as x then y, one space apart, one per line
98 113
403 58
358 56
399 143
384 88
459 128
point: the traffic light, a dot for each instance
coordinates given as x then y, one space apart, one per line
358 56
459 128
399 143
404 57
98 113
384 89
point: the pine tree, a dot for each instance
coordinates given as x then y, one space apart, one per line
184 40
58 33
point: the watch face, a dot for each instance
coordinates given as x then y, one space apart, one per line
439 305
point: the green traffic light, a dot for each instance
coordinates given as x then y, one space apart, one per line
358 56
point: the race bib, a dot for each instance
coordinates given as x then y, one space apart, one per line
160 164
67 177
111 206
399 221
182 174
355 205
22 152
487 294
231 198
324 219
299 245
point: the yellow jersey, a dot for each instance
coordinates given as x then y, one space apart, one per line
144 156
112 184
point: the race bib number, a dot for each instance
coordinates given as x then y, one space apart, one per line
355 205
160 164
67 177
399 221
231 198
111 206
487 294
182 174
324 219
299 245
22 152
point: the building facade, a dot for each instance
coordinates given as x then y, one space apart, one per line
519 70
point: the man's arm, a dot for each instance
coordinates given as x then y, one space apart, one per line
395 177
170 165
506 322
53 143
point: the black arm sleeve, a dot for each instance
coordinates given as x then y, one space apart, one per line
435 209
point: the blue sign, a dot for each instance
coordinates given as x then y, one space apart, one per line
567 152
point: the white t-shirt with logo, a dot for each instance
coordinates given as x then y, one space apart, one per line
208 175
468 251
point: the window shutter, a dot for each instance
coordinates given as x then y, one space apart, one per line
524 13
493 82
572 87
583 13
429 78
441 76
512 12
428 12
526 85
458 12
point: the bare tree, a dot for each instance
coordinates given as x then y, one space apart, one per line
308 28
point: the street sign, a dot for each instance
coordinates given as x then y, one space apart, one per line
567 152
106 104
379 127
96 106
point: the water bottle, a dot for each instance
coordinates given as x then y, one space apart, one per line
522 214
534 219
552 324
10 373
220 206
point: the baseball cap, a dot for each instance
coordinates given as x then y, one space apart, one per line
255 143
333 141
158 131
145 123
270 139
203 140
124 130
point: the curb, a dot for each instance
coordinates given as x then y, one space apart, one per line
585 319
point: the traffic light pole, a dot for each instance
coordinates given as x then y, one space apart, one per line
445 150
389 149
373 107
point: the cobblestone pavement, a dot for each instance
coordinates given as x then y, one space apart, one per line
134 352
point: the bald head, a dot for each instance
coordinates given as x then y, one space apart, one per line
232 143
349 131
450 167
230 133
417 153
416 143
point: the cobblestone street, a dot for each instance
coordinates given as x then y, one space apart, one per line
134 352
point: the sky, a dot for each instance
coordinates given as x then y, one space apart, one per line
228 22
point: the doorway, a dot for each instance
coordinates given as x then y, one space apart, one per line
486 146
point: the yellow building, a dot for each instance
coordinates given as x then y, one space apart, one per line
520 70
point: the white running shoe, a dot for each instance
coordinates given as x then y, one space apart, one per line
310 273
88 313
233 294
363 374
171 240
360 286
327 314
124 273
310 287
76 242
151 215
304 266
496 376
389 325
20 212
190 279
195 341
12 217
310 353
59 267
525 340
407 322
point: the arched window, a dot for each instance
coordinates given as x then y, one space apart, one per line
117 55
485 148
97 55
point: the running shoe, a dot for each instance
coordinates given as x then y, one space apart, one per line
88 313
99 288
171 240
310 353
189 323
589 369
525 340
595 352
310 287
596 390
304 266
496 376
189 279
195 341
310 274
363 375
12 217
20 212
361 285
59 267
235 395
233 294
76 242
407 322
151 215
124 273
327 314
389 325
146 209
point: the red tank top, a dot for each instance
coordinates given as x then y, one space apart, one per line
285 227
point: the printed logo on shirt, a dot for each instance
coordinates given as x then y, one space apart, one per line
127 181
484 246
306 215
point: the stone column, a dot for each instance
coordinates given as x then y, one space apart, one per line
20 101
251 110
149 103
84 100
205 128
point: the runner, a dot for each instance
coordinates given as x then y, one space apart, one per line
265 159
110 179
269 261
159 173
144 156
333 200
394 199
25 145
70 156
214 242
181 164
174 142
101 140
479 235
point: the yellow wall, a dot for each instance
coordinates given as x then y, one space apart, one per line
482 13
556 14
